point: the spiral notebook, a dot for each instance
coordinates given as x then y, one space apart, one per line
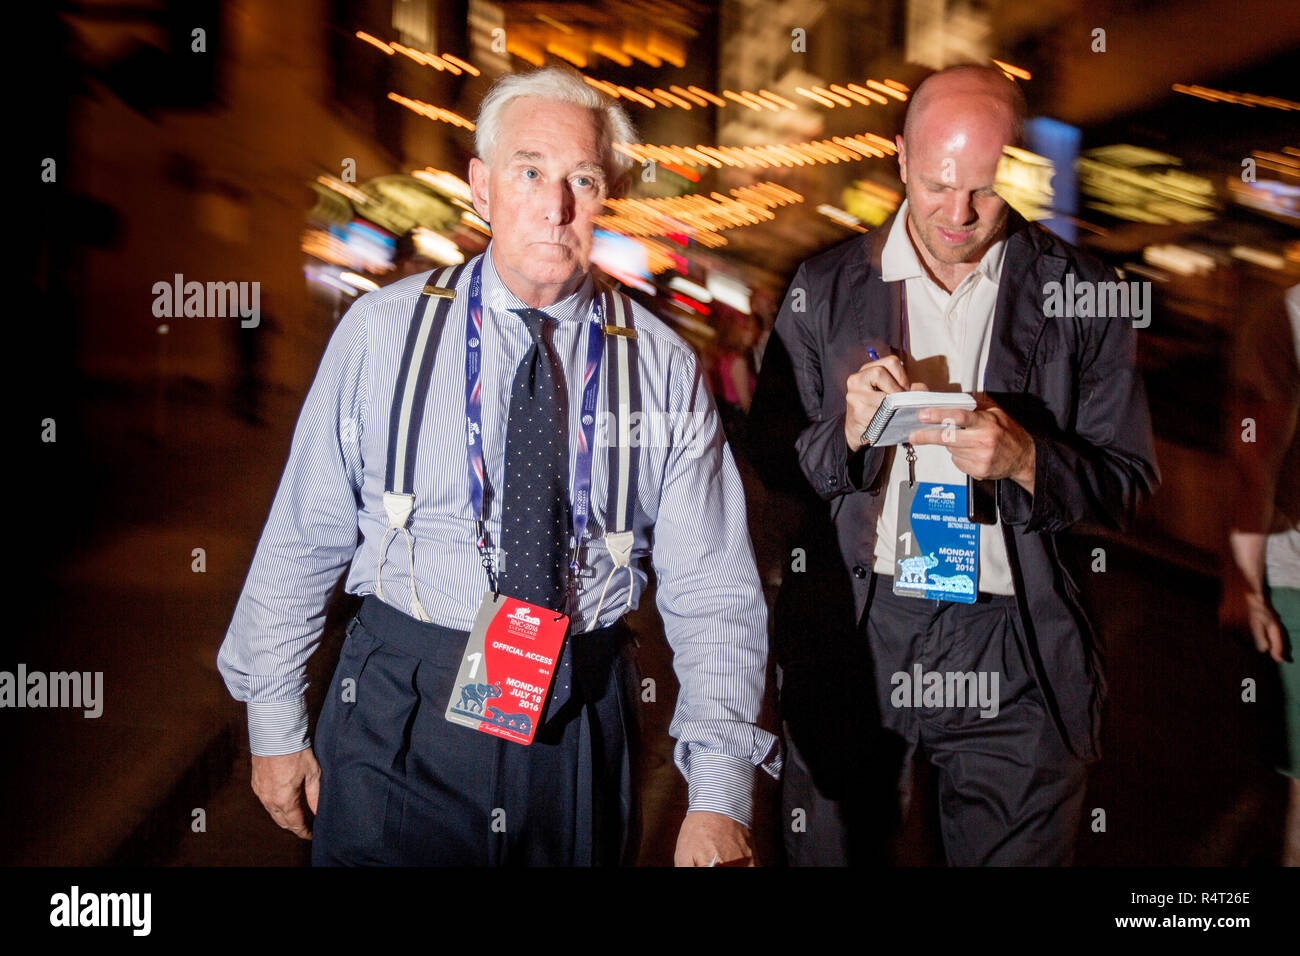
895 419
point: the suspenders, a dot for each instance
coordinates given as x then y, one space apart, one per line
408 413
623 389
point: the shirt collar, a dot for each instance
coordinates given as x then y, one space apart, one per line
899 260
576 307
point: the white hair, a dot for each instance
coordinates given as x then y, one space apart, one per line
564 86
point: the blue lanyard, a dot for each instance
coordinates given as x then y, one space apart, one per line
581 504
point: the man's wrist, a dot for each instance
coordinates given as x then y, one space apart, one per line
722 784
278 727
1024 476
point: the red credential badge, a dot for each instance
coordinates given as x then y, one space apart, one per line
506 671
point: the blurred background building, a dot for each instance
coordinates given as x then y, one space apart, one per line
318 148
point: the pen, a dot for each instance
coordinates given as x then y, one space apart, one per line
872 354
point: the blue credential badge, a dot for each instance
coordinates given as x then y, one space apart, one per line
937 549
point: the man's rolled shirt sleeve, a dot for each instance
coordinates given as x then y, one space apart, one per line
308 541
714 613
1105 468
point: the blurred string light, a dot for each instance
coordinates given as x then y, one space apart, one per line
834 150
432 112
577 49
697 217
830 97
1286 162
867 93
1239 99
444 62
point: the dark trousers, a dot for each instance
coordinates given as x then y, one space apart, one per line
1009 792
402 786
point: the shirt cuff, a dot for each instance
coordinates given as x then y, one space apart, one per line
723 784
278 727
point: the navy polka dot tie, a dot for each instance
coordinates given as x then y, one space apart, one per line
535 515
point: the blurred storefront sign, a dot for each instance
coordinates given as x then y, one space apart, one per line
870 203
1143 185
1024 180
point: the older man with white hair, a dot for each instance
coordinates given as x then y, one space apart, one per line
485 699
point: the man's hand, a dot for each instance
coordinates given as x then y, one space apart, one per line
986 443
866 389
707 838
1265 626
279 783
1244 608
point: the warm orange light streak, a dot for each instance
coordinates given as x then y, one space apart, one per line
870 94
1240 99
779 100
564 53
1015 71
737 98
526 53
469 68
716 101
687 94
842 100
887 90
634 95
645 56
760 102
611 53
374 41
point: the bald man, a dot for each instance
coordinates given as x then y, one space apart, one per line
908 636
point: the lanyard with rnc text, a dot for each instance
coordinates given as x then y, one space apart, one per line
902 337
581 505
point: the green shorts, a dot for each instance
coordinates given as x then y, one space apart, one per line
1286 601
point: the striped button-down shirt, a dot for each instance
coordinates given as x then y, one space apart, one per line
689 521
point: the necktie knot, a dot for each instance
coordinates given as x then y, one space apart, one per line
535 320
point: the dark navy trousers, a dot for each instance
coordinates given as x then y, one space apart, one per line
401 786
1009 791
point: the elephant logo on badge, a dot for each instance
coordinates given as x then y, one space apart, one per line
472 696
914 568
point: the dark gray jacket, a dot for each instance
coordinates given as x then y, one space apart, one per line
1072 383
